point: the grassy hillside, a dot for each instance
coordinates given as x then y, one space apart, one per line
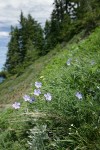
71 120
16 86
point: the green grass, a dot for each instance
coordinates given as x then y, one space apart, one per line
63 81
15 87
64 123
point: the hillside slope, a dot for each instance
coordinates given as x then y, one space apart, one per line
16 86
67 119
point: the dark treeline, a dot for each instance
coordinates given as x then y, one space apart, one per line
25 44
29 40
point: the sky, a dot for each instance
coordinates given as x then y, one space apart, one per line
9 15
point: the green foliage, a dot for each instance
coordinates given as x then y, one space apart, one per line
65 122
31 53
37 136
13 56
73 123
3 74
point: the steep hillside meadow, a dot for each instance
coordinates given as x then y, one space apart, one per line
57 100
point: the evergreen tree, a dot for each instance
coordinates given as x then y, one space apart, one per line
22 35
69 17
31 53
13 55
28 32
59 21
47 36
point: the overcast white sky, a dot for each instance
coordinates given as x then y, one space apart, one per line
9 15
10 11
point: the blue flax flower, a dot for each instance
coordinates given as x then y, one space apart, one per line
79 95
16 105
26 98
38 84
32 99
48 96
68 62
37 92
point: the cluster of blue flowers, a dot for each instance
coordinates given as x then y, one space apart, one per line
37 92
29 99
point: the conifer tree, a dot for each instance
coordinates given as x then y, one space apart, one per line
13 55
69 17
28 32
47 36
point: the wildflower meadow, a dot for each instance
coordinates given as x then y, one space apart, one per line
62 109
